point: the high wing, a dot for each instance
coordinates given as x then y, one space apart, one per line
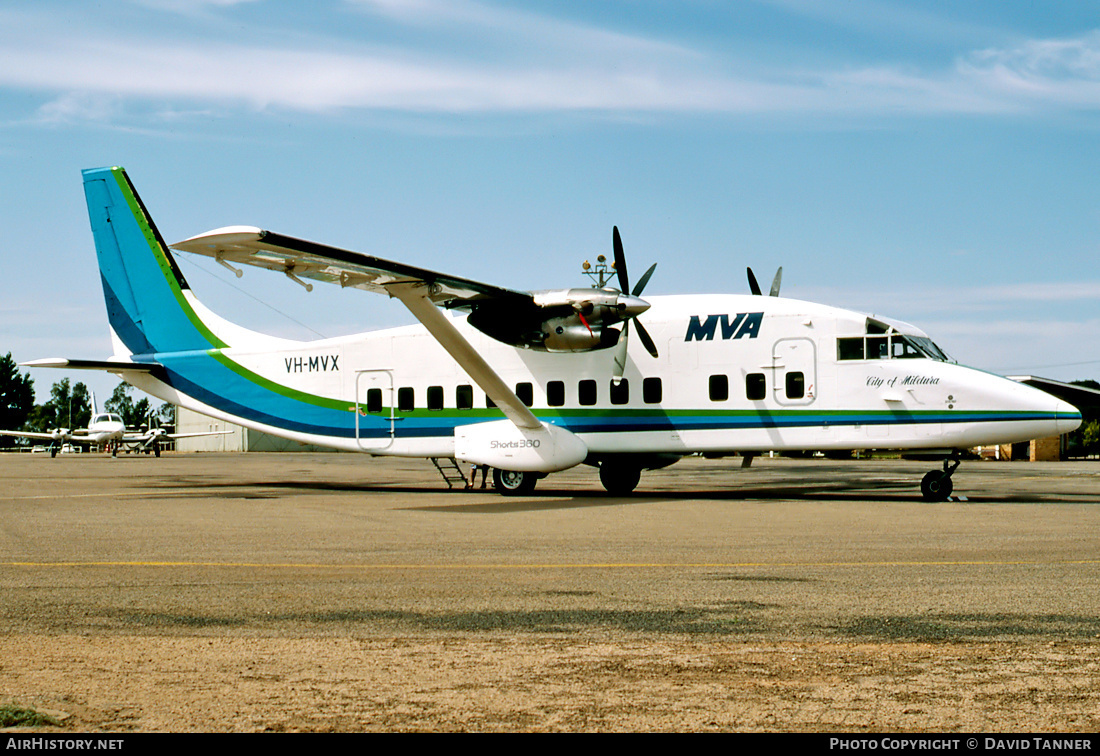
298 258
421 291
565 320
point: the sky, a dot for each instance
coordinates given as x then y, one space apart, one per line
932 162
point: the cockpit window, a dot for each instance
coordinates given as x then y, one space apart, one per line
901 348
894 346
930 347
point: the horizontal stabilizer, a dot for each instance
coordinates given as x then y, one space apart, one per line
111 366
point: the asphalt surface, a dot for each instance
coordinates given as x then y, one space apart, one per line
302 545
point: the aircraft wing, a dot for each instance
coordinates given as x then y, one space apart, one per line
136 436
421 291
77 436
174 436
248 245
29 434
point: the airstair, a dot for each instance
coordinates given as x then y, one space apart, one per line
449 468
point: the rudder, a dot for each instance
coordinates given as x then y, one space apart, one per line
142 285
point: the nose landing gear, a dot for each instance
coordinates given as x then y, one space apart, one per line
936 485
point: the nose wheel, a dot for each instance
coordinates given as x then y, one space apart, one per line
936 485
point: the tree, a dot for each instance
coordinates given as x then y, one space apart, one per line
16 397
68 407
1090 437
133 413
165 414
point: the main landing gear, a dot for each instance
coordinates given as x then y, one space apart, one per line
936 485
619 478
514 482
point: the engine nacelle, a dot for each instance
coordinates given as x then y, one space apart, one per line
569 320
571 334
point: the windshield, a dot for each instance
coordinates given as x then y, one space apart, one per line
894 346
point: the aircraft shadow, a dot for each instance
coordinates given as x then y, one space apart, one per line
880 491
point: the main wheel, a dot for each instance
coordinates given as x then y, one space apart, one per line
935 486
619 479
513 482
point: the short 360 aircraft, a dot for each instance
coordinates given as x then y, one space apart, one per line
530 383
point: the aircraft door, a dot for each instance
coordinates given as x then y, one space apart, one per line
794 365
375 408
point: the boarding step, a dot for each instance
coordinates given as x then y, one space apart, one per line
449 469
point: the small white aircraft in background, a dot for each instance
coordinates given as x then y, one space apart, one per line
152 439
108 430
530 383
105 429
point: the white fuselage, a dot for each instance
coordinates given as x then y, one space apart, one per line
734 374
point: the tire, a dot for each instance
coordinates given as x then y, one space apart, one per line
513 482
619 479
936 486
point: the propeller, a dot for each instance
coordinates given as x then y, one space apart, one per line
754 285
619 354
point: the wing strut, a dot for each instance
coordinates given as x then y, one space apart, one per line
415 296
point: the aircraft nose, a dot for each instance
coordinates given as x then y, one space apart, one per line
1068 417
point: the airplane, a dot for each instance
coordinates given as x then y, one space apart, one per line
532 383
108 429
105 429
151 440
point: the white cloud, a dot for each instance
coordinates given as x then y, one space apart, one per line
504 60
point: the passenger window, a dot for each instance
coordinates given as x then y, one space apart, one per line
435 397
849 349
796 385
405 399
555 393
374 400
620 394
526 393
719 388
651 390
489 402
464 397
586 393
755 386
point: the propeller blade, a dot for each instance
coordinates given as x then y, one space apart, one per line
776 281
754 287
618 354
645 279
647 342
620 260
